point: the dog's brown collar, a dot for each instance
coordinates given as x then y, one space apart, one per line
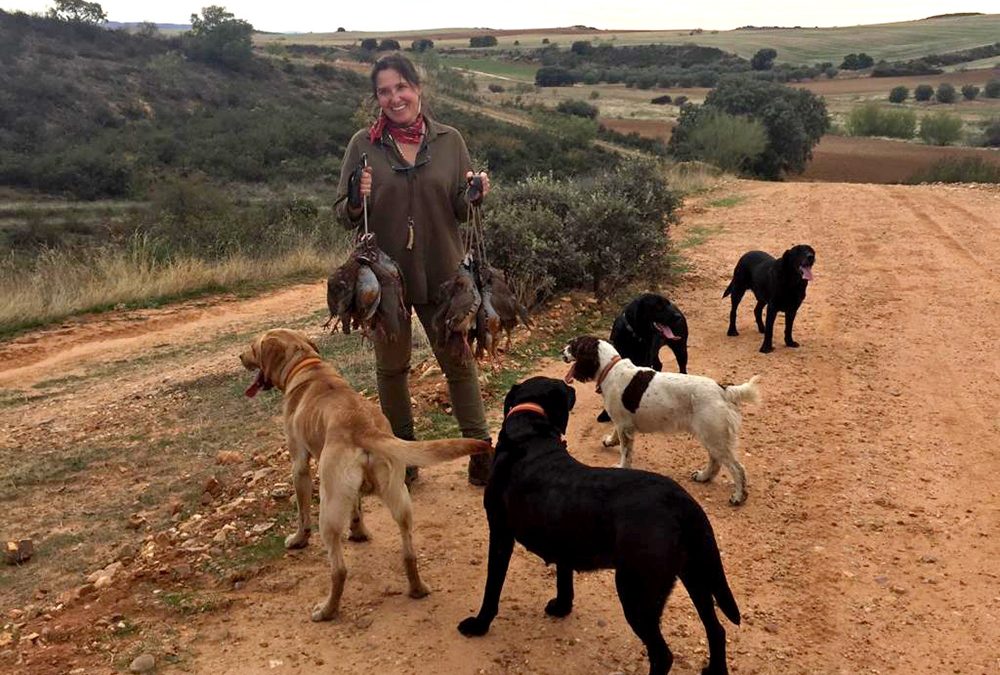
607 369
310 361
527 407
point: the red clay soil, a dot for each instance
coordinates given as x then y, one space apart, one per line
869 543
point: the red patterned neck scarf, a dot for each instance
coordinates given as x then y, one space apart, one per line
412 134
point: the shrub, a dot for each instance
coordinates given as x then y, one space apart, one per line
553 76
388 45
970 91
661 100
582 47
923 92
422 45
992 89
945 93
483 41
219 37
578 108
729 142
680 101
369 44
940 128
857 62
963 170
495 88
794 119
763 59
899 94
991 133
871 120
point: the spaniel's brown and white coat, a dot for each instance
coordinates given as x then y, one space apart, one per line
641 400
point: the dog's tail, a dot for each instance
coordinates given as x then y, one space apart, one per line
707 571
729 289
738 393
424 453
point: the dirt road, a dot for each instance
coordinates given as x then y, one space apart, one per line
870 540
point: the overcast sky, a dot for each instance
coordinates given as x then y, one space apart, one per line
395 15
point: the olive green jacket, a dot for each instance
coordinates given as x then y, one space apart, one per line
429 196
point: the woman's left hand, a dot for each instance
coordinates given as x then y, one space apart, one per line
484 176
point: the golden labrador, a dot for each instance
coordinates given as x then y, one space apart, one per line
352 442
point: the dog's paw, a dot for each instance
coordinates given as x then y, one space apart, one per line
323 612
610 441
557 608
732 332
700 477
791 343
766 349
419 591
473 627
737 499
298 540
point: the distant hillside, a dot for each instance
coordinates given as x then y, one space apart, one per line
891 41
91 113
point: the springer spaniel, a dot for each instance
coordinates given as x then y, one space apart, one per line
641 400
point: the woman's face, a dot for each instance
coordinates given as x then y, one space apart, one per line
399 100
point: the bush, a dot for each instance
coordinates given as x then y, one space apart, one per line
945 93
661 100
795 120
495 88
483 41
680 101
857 62
871 120
923 92
422 45
578 108
940 128
729 142
992 89
369 44
553 76
388 45
964 170
763 59
899 94
991 133
970 91
219 37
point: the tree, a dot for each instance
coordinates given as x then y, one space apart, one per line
581 47
923 92
970 92
763 59
795 120
369 44
341 29
899 94
940 128
729 142
422 45
857 62
79 11
483 41
553 76
945 93
219 37
992 89
388 45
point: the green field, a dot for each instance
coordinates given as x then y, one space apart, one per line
891 41
523 72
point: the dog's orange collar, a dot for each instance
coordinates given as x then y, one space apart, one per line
310 361
607 369
527 407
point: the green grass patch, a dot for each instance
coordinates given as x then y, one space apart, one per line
191 602
517 71
727 202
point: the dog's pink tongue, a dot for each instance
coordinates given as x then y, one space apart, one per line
258 382
807 273
568 379
666 332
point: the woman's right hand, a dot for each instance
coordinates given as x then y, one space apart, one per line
366 182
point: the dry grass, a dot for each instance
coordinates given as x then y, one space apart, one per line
60 283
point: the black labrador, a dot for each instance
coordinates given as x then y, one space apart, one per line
780 284
581 518
645 324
